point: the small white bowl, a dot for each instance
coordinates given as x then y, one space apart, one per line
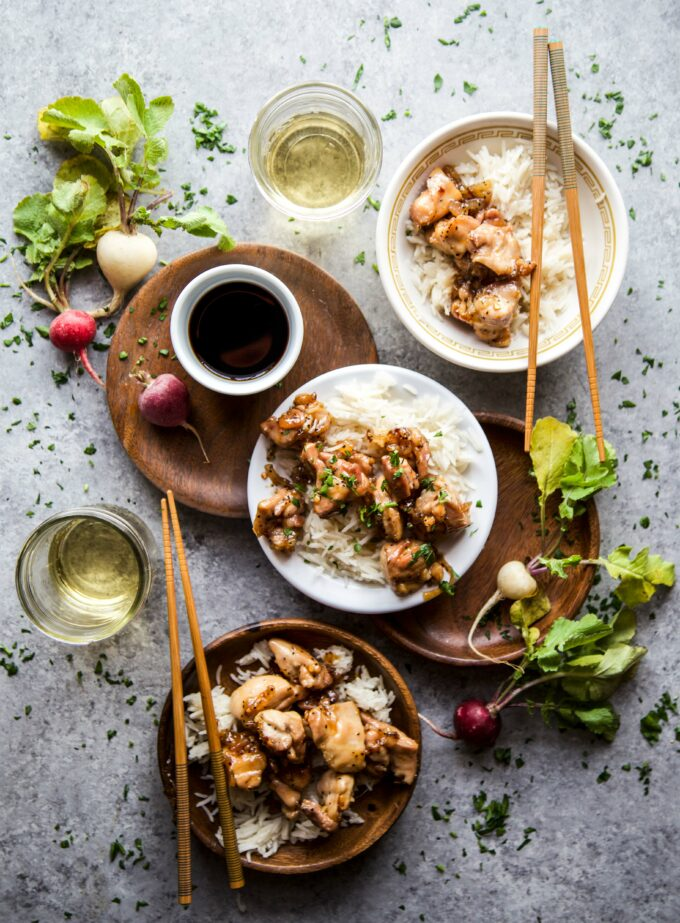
461 551
188 299
605 232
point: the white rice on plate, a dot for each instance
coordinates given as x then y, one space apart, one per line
341 545
259 828
510 171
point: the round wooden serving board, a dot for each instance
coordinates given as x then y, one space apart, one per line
439 629
336 334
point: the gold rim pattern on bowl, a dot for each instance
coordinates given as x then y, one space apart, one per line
546 343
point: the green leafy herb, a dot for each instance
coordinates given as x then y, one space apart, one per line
426 552
390 22
472 8
651 724
438 82
209 133
469 88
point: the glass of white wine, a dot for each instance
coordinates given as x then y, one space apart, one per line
315 151
82 575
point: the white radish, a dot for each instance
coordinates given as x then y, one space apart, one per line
124 259
513 581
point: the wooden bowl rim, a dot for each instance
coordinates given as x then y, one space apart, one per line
335 635
385 624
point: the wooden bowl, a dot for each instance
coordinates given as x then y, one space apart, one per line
379 808
439 629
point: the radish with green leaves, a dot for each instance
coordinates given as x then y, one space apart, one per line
579 664
94 210
125 258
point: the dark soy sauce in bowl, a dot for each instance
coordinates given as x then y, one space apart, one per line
238 330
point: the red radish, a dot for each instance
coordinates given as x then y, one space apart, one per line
73 331
165 402
474 722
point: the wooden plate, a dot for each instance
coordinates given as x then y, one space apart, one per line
379 808
439 629
336 334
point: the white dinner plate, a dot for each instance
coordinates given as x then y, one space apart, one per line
460 550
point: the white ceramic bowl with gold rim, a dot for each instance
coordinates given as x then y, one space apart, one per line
605 234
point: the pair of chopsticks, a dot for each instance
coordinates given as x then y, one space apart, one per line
555 51
233 859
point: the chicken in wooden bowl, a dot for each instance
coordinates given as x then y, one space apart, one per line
321 743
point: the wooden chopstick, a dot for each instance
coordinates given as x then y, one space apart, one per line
566 141
231 853
184 889
537 209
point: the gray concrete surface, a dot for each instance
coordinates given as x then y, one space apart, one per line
601 851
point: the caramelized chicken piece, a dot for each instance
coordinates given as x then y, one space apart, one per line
402 479
288 781
490 312
390 748
450 235
289 797
438 510
383 511
409 442
341 475
307 418
244 760
280 518
259 692
335 791
494 245
298 665
338 732
283 732
436 200
409 565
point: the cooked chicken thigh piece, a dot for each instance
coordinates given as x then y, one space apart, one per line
409 565
408 441
335 791
282 732
494 245
290 798
298 665
337 731
390 748
451 235
383 510
280 518
438 510
243 758
259 692
307 418
490 312
400 476
341 475
436 200
288 781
